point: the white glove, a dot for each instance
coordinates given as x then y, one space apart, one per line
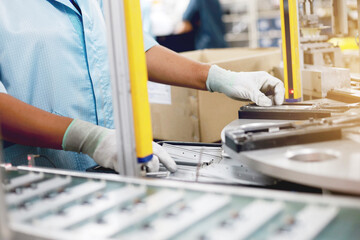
100 144
246 85
159 154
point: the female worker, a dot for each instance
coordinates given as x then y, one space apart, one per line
55 97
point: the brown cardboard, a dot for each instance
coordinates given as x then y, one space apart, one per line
178 121
200 115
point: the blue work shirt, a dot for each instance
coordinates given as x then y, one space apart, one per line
55 58
206 18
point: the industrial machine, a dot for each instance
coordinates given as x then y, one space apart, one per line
312 66
321 150
318 152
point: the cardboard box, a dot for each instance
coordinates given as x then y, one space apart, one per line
199 116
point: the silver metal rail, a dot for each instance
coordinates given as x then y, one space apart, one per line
121 90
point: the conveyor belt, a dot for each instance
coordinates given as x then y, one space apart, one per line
93 206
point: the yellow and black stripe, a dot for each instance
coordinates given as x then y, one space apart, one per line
290 48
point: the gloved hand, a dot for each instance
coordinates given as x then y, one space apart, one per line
259 87
100 144
160 155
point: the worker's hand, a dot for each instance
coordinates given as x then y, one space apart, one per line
160 155
100 144
259 87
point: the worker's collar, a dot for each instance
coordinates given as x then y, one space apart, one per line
68 4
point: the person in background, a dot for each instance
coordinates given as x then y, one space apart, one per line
55 87
204 17
145 14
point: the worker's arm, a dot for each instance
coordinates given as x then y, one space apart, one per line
166 66
24 124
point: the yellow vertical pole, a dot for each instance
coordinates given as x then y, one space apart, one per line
291 50
138 80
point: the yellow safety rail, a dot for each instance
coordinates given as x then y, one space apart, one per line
138 81
290 48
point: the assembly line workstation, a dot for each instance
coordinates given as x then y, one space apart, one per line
318 150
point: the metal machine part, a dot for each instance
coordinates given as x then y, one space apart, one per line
119 70
261 136
294 111
322 54
307 14
197 162
102 206
277 135
310 26
5 232
209 165
330 164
